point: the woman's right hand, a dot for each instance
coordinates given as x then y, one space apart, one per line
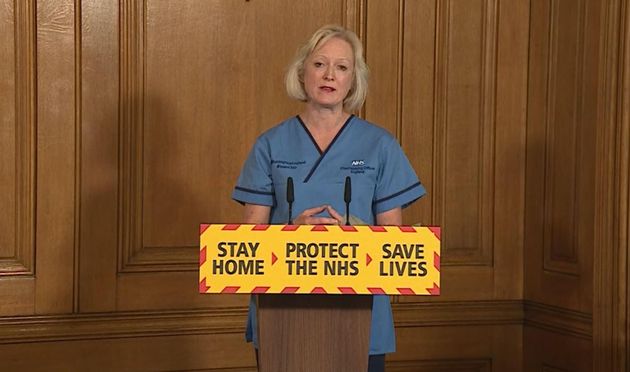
308 217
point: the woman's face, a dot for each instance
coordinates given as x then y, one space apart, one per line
328 73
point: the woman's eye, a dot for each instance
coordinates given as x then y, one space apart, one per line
343 68
318 64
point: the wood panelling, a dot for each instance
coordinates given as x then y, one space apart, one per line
464 102
7 135
463 313
132 109
99 174
465 92
546 368
121 325
207 352
56 157
624 187
612 275
17 296
564 75
561 152
173 175
481 321
562 128
160 95
17 140
124 124
542 351
454 146
441 366
43 128
558 320
418 101
17 151
496 348
382 53
509 142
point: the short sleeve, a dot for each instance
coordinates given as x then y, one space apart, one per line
255 185
397 183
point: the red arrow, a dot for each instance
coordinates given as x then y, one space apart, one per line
273 258
368 259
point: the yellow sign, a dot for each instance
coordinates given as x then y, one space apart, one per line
394 260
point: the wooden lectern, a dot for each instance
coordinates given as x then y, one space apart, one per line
302 326
322 333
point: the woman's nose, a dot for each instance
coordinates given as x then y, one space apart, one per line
329 74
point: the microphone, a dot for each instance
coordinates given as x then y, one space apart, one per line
347 198
290 198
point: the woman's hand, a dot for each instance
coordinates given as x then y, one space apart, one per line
307 217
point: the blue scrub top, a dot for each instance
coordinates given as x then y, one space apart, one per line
382 179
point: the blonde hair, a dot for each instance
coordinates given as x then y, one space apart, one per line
294 79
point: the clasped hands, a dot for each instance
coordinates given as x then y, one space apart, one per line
308 217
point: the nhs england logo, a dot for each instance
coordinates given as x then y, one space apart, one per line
357 162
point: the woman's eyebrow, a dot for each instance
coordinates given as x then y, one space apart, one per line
342 59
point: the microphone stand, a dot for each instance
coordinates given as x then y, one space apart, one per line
290 198
347 198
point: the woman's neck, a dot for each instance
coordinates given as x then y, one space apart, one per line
324 120
323 125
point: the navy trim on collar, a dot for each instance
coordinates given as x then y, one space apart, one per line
322 154
310 135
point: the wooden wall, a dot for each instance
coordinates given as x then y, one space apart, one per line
450 79
576 189
560 185
124 124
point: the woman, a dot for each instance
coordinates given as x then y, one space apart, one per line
318 149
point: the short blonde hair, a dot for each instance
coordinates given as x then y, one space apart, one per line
294 79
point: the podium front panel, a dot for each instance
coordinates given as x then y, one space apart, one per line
314 332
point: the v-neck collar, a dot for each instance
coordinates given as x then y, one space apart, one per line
321 153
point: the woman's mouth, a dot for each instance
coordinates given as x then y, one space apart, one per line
327 89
